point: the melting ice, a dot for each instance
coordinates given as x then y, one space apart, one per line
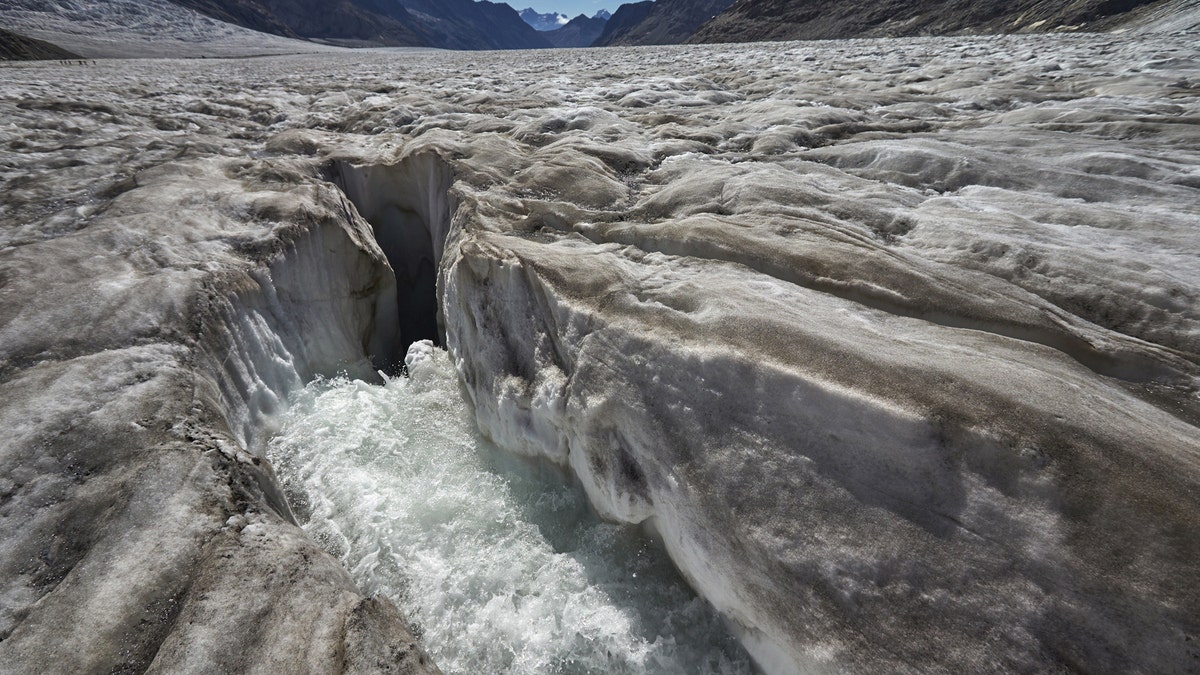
497 561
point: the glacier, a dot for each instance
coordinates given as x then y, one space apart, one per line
893 344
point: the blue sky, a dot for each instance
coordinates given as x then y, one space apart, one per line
568 7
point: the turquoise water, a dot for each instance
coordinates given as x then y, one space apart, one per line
498 561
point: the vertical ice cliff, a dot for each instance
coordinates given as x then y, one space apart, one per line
872 470
409 210
141 528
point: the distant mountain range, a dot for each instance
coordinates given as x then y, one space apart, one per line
543 22
582 31
468 24
622 21
563 31
447 24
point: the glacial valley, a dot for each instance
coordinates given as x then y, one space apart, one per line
891 345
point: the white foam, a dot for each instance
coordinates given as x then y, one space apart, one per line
499 561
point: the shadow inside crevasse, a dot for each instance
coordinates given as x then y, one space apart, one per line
408 207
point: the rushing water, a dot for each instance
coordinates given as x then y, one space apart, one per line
497 561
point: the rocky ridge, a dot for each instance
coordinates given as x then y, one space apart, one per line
757 20
582 31
543 21
467 24
663 22
626 18
14 47
351 22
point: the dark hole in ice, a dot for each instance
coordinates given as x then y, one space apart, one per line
406 242
407 207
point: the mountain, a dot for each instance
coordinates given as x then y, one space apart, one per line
447 24
603 14
466 24
543 22
622 21
15 47
253 14
756 20
669 22
143 29
581 31
376 22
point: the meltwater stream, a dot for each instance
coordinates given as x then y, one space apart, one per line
498 562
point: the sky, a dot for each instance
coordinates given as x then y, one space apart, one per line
568 7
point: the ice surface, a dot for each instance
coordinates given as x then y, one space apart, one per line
894 343
145 350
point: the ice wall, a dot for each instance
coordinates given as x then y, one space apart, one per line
142 528
319 307
408 205
789 445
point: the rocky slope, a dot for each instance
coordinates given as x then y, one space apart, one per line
467 24
14 47
755 20
259 15
626 18
375 22
581 31
203 27
455 24
665 22
141 29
